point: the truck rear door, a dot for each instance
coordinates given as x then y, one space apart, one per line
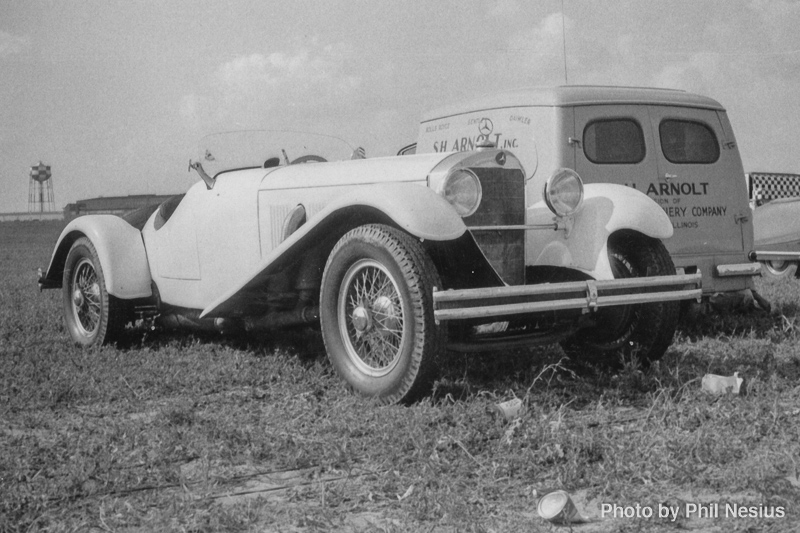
613 144
700 181
685 160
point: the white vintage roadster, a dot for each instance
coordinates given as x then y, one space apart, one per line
395 258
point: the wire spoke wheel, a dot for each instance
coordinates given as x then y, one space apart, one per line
371 316
86 302
376 312
92 315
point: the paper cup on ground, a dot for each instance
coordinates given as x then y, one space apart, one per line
558 508
510 409
722 384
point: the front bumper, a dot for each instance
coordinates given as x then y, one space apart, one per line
587 295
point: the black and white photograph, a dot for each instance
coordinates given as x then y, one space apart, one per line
394 266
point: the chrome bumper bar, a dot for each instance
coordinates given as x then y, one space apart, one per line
775 256
587 295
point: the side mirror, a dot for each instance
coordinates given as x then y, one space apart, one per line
198 167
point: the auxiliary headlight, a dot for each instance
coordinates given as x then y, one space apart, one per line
462 189
563 192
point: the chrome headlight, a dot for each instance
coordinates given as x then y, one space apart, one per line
462 189
563 192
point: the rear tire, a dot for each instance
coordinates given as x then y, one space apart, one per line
376 312
778 269
92 316
642 331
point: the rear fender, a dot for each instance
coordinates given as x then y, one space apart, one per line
777 223
607 208
119 247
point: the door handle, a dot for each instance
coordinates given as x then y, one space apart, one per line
668 176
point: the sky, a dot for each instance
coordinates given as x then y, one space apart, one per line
114 95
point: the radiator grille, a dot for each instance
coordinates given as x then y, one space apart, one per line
503 204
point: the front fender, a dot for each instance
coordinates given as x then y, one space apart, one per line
607 208
411 206
120 250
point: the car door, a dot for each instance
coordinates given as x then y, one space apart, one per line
226 220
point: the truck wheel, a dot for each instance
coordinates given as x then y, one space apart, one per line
778 269
376 312
93 316
642 331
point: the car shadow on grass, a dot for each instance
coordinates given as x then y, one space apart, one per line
304 343
544 373
705 322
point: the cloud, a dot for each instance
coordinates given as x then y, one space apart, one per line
697 73
504 8
738 56
533 55
778 21
301 70
756 38
11 44
256 89
191 109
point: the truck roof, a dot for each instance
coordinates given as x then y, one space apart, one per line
574 95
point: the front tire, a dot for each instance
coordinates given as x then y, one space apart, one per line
376 312
642 331
92 315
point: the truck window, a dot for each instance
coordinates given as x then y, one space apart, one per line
686 142
615 141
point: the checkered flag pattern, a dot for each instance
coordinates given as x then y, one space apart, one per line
765 187
41 172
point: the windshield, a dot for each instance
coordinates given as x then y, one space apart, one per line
219 152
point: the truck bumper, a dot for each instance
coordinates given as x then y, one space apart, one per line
742 269
775 256
586 295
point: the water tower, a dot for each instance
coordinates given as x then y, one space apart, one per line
40 191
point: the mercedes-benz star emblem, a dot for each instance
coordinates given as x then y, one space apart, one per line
485 126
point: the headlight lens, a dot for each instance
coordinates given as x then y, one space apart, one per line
462 189
563 192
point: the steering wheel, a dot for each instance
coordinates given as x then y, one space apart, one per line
309 159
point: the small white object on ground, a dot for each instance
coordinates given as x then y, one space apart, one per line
722 384
558 508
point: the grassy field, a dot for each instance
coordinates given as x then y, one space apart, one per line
206 433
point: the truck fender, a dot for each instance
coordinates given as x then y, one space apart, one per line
607 208
119 247
411 206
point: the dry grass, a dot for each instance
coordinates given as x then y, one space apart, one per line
191 433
